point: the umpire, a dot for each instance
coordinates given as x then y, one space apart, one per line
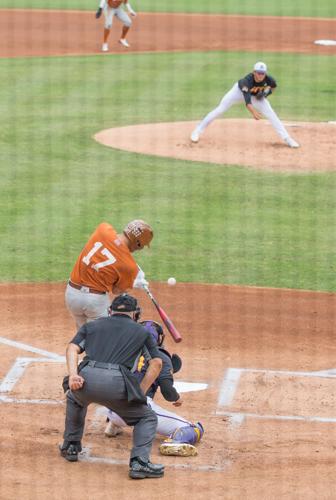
112 345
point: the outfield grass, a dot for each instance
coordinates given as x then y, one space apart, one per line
212 223
306 8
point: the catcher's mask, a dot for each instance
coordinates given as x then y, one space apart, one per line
139 234
155 329
126 303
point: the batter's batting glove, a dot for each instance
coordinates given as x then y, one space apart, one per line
99 13
140 281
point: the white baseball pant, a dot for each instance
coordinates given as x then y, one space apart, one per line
85 306
119 12
234 96
168 421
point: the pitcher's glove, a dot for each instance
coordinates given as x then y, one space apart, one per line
99 12
264 93
260 94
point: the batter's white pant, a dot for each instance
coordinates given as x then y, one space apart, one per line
85 306
168 421
234 96
119 12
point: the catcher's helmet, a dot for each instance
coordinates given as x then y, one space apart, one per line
155 329
139 234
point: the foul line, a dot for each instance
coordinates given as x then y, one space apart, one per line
85 456
239 417
26 347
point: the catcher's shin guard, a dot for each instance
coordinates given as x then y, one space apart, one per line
189 434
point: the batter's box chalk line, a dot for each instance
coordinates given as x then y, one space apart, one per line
85 456
325 42
229 388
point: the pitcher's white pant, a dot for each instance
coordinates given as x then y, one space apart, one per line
234 96
85 306
168 421
119 12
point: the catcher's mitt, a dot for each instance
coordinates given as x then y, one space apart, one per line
176 362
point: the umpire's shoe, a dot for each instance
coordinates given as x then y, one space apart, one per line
140 469
70 449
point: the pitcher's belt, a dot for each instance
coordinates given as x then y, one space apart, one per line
85 288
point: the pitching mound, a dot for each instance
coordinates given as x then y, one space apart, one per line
232 142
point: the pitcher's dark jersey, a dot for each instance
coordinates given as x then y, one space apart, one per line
250 87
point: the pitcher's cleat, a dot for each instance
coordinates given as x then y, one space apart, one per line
195 136
178 449
291 143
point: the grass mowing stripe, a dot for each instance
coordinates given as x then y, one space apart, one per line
233 224
306 8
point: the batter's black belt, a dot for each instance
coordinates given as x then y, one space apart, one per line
105 366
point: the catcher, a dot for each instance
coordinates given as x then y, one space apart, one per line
254 89
181 434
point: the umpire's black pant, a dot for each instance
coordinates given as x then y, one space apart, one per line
107 388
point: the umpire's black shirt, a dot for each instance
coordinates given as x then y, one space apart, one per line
116 339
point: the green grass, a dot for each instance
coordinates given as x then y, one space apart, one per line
212 223
310 8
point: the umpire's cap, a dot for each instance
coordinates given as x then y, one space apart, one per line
124 303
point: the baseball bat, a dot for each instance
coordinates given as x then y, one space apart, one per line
165 318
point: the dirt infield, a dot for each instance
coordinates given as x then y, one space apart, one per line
229 142
44 33
269 415
267 357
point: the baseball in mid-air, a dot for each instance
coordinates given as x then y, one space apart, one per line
171 281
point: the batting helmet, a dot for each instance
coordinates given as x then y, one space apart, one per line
155 329
139 234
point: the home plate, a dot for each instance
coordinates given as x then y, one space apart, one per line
325 42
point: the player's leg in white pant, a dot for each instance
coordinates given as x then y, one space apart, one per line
264 107
114 425
168 421
108 14
127 23
84 306
232 97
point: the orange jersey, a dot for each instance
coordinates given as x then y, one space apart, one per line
104 262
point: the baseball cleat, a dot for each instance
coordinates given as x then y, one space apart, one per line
178 449
124 42
194 136
105 47
291 143
141 470
70 449
112 430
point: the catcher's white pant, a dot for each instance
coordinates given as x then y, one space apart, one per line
168 421
119 12
85 306
234 96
